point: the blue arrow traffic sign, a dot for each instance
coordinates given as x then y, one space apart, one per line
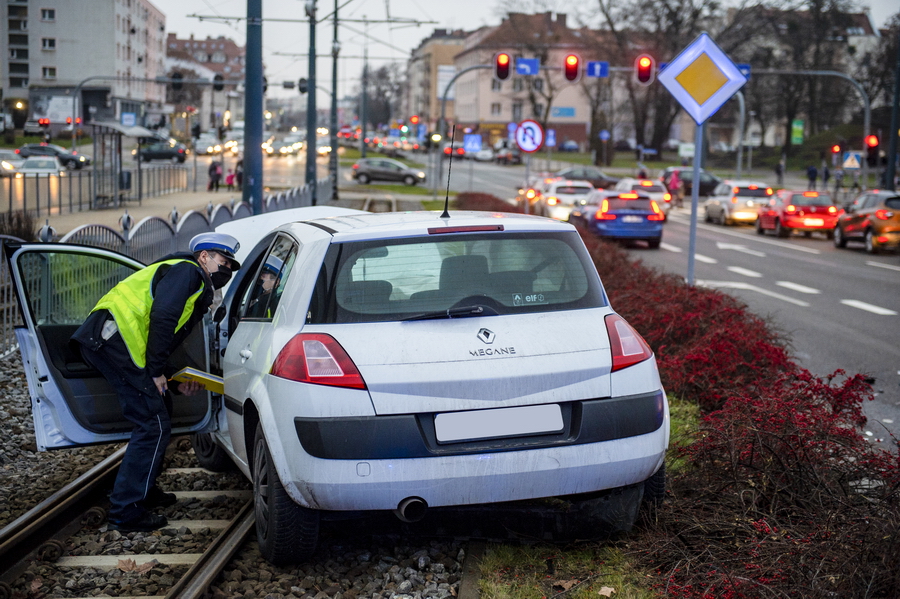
528 66
604 135
551 138
597 68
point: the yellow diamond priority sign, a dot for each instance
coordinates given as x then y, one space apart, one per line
702 78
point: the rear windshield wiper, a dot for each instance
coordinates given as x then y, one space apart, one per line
458 312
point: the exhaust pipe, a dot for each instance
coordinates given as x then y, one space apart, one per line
411 509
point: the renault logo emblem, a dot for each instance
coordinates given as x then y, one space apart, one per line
487 336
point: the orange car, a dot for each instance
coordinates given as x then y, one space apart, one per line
806 211
873 218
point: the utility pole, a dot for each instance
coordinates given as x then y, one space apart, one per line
253 119
311 146
333 155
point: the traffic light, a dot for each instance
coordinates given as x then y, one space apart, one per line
572 67
177 83
872 142
218 83
643 69
836 149
501 66
303 85
414 119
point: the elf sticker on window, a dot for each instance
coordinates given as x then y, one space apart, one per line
521 299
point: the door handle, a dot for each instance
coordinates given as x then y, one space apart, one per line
245 355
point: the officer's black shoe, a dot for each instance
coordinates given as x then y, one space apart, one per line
144 523
158 498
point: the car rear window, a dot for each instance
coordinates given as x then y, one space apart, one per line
648 188
748 192
573 190
507 273
636 204
822 199
892 203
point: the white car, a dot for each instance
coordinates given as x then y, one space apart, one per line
558 197
9 163
734 202
41 166
402 362
484 155
655 190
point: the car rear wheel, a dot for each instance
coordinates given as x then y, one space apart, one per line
871 245
409 180
781 231
286 532
71 165
653 244
708 217
655 487
363 178
175 160
759 229
209 454
838 237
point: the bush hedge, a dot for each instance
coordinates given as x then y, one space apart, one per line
778 494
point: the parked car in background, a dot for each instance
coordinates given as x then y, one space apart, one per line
172 151
39 166
456 147
591 174
788 211
736 202
559 196
626 216
404 362
873 218
32 128
366 170
69 158
484 155
569 146
708 181
9 163
652 189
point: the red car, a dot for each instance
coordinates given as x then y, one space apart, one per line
806 211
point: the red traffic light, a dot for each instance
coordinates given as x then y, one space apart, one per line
572 67
872 141
836 149
44 122
501 66
414 119
643 69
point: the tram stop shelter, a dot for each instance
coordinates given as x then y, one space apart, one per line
115 181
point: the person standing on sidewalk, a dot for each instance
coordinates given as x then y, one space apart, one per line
812 173
128 337
215 175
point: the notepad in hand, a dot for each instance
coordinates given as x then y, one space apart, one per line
209 381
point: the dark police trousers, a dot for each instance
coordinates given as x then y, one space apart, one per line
144 407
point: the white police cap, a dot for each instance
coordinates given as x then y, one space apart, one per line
219 243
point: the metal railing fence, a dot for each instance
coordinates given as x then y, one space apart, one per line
150 239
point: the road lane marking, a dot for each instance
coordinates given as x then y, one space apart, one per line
797 287
707 259
749 287
745 271
868 307
882 265
670 248
739 248
687 221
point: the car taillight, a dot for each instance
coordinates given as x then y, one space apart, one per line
832 210
734 199
657 213
447 150
627 346
603 213
355 166
667 197
460 151
882 214
769 191
18 151
319 359
790 209
552 201
180 150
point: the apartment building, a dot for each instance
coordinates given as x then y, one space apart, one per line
104 48
429 70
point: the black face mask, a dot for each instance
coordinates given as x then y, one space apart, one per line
221 277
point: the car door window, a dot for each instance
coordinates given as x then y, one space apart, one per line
265 293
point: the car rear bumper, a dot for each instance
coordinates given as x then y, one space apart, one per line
810 223
744 216
618 231
378 462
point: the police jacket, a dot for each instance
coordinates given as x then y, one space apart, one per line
179 293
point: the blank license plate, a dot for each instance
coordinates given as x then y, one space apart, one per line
632 219
502 422
813 222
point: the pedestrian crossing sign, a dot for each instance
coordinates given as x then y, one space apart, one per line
852 160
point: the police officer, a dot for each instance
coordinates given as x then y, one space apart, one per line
128 338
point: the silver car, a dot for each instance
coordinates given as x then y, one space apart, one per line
736 202
402 362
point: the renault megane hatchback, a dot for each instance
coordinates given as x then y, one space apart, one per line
399 362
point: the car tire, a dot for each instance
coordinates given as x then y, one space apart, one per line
209 454
837 236
759 229
175 160
708 218
653 244
871 246
409 180
363 179
71 165
781 231
287 533
655 487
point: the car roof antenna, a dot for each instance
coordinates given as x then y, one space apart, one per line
446 214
